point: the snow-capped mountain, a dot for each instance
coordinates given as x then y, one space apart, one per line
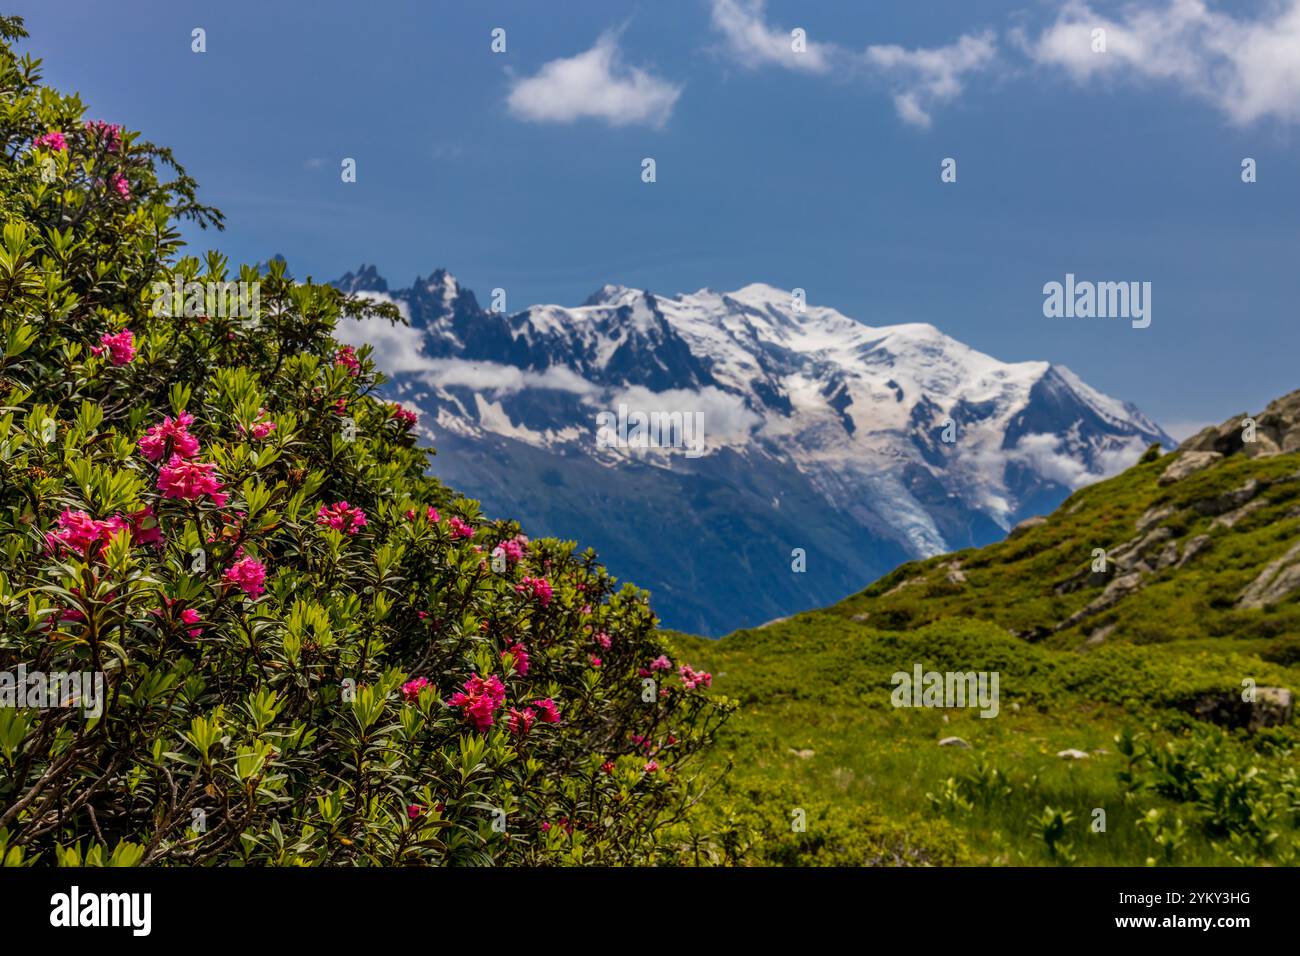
862 445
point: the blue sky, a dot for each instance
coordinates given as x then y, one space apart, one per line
820 170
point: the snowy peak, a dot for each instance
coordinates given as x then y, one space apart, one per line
899 429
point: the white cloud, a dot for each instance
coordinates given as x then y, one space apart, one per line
921 78
1248 69
927 76
1041 453
503 379
753 43
725 417
399 350
594 85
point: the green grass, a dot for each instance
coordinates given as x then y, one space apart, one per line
815 728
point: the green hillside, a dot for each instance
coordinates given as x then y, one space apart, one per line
1141 663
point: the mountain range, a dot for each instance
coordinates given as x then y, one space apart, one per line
833 450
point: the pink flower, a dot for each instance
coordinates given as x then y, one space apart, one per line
603 640
460 529
260 428
521 721
80 532
347 357
403 416
538 588
413 811
111 132
342 517
431 514
545 827
190 480
480 700
411 689
191 616
144 526
119 184
512 549
121 347
249 575
651 767
693 678
595 661
661 663
52 140
520 654
170 437
188 616
607 767
550 714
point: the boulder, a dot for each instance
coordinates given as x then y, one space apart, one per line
1194 546
1026 525
1153 516
1278 579
1277 432
954 742
1231 519
1218 504
1187 463
1272 707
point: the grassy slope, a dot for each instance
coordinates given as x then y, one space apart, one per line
820 683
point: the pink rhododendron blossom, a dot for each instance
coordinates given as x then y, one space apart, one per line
260 428
512 549
190 480
121 347
607 767
595 661
661 663
52 140
539 588
347 357
119 184
171 437
651 767
249 575
411 689
111 133
144 526
342 517
521 721
403 416
693 678
459 529
191 616
603 640
480 700
431 514
80 532
549 713
520 654
413 811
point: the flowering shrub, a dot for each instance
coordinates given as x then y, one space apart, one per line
313 652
